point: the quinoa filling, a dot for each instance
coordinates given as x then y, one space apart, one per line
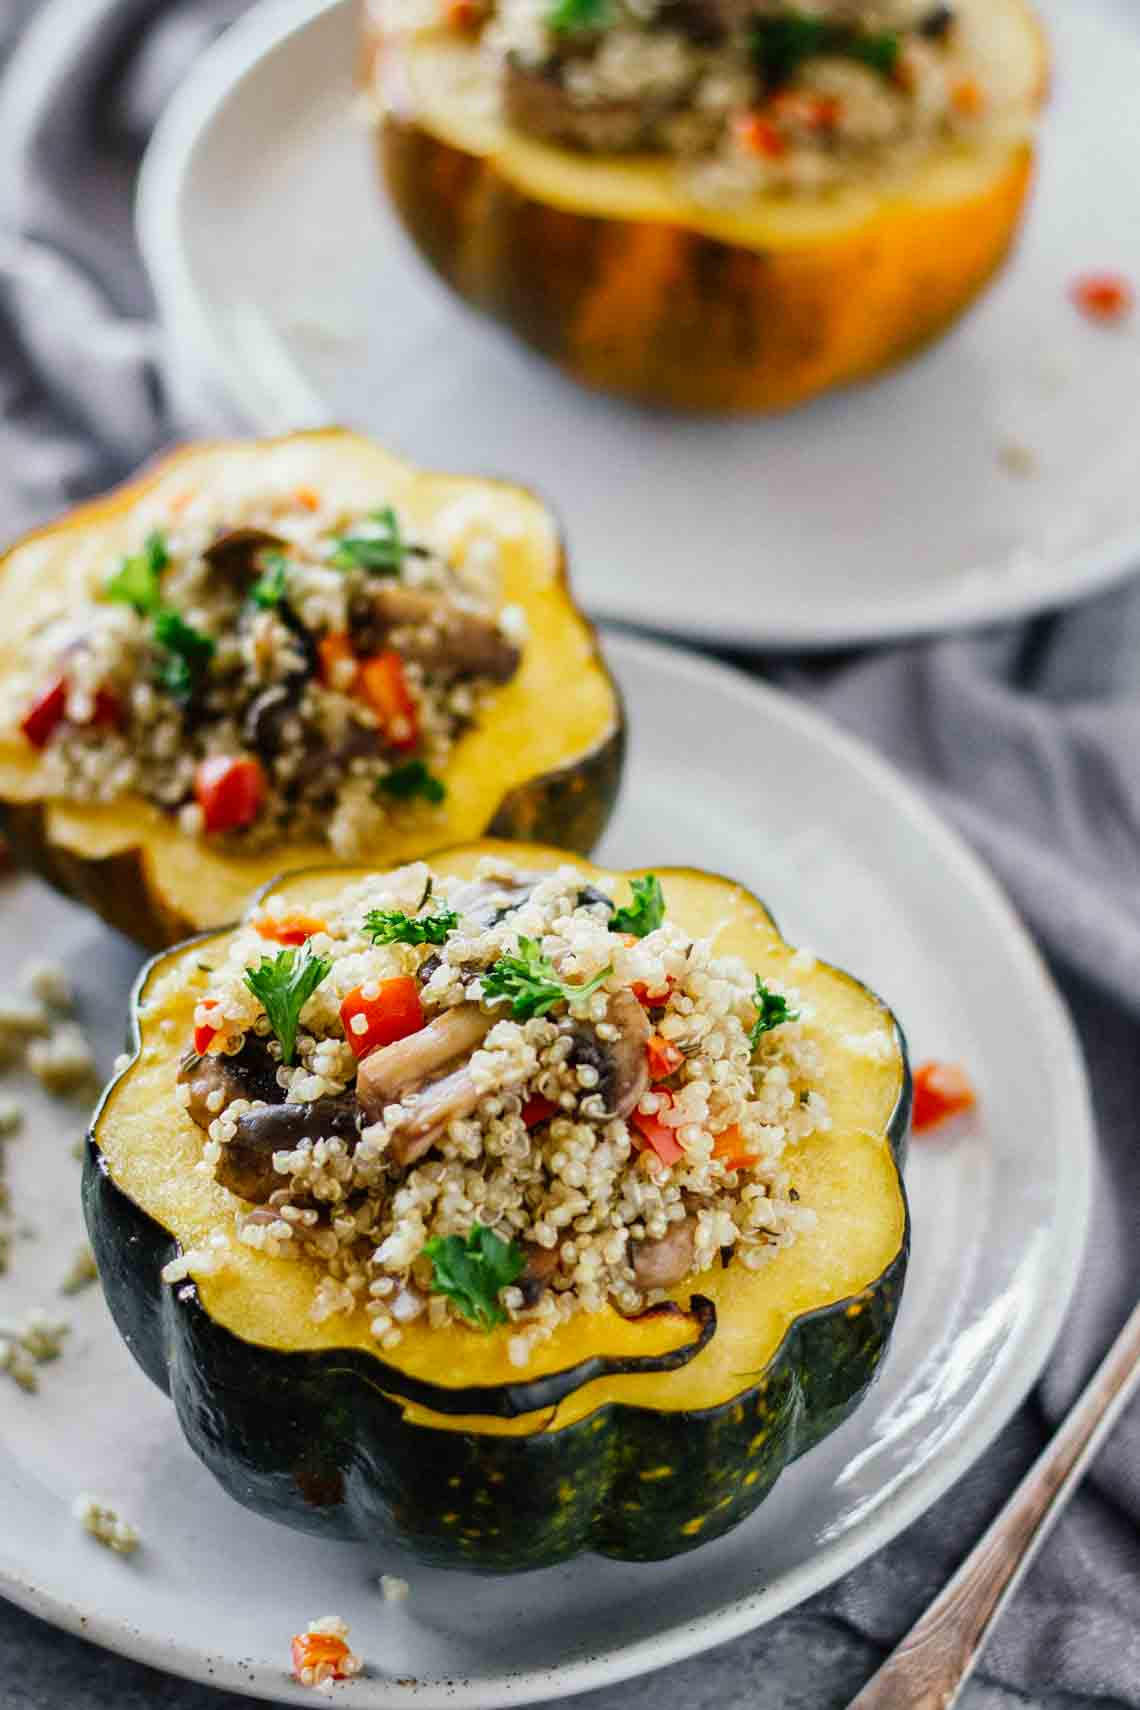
755 94
271 669
507 1099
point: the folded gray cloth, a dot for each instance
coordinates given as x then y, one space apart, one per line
1028 737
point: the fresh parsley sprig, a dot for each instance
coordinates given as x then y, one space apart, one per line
138 580
771 1011
411 780
381 551
781 43
284 984
185 653
647 910
529 982
392 926
471 1270
269 589
580 17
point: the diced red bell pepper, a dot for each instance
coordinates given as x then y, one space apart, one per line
45 714
657 1134
759 136
537 1110
1104 297
203 1038
310 1650
230 790
290 928
464 15
333 651
730 1149
108 709
652 999
812 112
941 1090
394 1013
383 684
308 498
663 1056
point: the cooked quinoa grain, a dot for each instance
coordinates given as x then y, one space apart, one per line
266 667
506 1099
746 99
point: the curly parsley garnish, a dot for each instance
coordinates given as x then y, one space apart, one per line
580 17
269 589
391 926
381 551
781 44
647 910
284 984
138 580
471 1270
529 982
186 652
771 1011
411 780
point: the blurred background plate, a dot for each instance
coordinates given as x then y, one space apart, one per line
853 863
993 476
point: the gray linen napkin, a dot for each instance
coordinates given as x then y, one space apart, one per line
1028 737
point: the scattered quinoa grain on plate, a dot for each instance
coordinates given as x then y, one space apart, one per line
393 1589
105 1525
503 1099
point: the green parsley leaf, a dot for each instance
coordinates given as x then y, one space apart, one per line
284 984
404 783
781 44
269 589
530 983
579 17
647 910
187 653
771 1011
381 551
138 580
472 1270
391 926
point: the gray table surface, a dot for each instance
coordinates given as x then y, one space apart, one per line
807 1661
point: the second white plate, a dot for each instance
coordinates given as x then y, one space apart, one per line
732 777
291 294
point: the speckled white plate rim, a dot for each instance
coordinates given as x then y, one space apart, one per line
978 1424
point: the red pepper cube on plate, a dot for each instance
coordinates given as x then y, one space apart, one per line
941 1090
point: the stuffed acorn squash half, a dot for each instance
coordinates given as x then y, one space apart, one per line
710 204
503 1206
275 653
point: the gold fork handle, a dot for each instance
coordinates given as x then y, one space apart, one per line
929 1668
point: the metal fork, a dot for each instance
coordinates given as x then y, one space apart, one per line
929 1668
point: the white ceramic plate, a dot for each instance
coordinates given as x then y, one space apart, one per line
293 298
854 864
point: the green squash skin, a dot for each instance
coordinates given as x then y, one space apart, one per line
310 1439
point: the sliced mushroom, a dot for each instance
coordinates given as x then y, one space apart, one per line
235 553
386 1075
246 1163
445 636
250 1073
621 1064
538 1272
442 1102
661 1263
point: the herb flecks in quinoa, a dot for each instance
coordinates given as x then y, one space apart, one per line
500 1107
752 98
274 666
